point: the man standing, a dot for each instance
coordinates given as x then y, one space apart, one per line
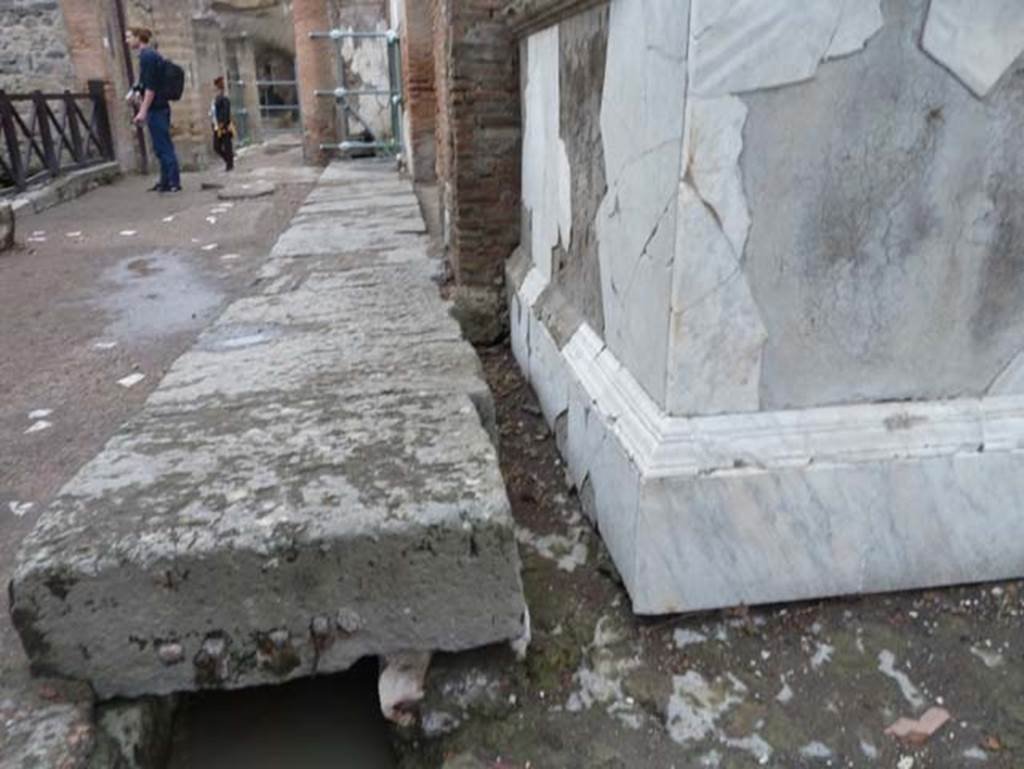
154 109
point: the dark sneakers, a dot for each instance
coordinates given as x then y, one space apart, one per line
164 190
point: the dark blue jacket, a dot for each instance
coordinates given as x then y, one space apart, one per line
151 76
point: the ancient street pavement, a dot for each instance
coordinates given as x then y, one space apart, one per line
99 298
315 481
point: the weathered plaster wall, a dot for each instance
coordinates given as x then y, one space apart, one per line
576 272
895 270
366 64
33 47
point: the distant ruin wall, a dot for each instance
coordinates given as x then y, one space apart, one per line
33 47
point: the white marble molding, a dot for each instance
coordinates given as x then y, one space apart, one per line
749 508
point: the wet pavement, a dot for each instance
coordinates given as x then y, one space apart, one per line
97 299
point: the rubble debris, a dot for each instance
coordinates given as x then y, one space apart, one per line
19 509
131 380
917 731
400 686
886 664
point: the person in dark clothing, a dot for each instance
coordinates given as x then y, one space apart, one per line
223 130
154 109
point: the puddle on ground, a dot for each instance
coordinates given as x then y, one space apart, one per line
233 336
325 722
156 294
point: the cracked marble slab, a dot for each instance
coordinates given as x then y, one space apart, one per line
748 45
977 42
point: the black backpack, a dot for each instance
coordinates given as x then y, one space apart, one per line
173 81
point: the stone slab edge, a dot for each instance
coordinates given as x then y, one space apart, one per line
67 187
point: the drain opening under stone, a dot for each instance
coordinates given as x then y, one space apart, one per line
310 723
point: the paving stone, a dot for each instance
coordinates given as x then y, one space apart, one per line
247 190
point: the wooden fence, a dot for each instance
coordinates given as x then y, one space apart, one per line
45 135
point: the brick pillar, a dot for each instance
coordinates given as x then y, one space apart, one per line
244 53
314 68
478 144
418 86
97 53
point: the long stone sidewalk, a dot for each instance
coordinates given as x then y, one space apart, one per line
312 483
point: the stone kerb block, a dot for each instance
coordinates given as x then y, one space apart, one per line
311 484
6 226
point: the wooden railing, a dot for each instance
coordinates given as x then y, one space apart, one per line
45 135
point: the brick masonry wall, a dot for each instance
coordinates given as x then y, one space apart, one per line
479 136
418 86
33 47
314 68
94 39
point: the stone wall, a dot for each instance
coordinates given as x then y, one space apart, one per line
770 280
211 59
33 47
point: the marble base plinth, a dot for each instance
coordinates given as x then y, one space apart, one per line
712 511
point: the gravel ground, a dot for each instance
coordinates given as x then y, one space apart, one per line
800 685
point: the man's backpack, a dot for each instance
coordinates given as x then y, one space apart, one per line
173 81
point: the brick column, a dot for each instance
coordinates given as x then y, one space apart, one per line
244 54
418 86
478 145
97 53
314 69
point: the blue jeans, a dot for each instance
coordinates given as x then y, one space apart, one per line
159 122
